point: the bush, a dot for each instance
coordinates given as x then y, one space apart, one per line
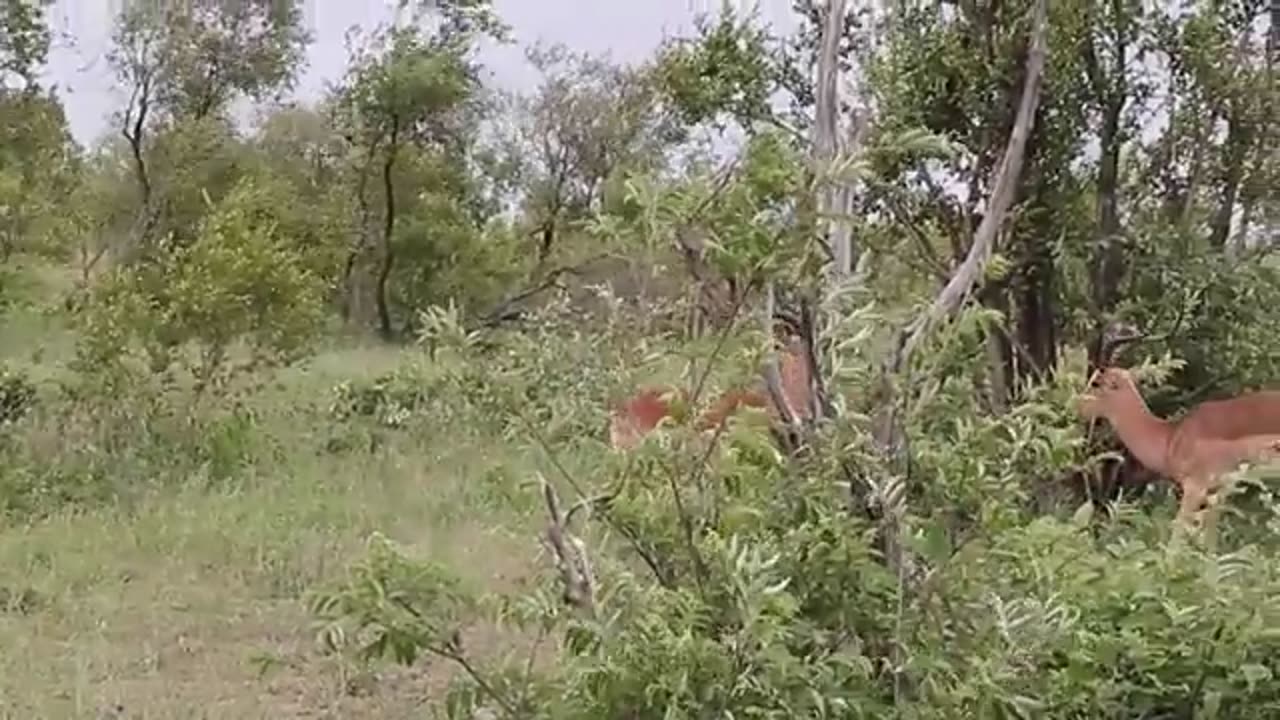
236 283
749 587
17 396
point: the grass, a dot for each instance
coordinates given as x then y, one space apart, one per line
191 602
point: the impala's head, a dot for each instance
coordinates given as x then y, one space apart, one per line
1108 389
1115 337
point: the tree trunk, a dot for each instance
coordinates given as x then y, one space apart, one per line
362 238
1037 312
388 228
834 197
999 351
1237 148
546 243
1109 252
133 130
1109 260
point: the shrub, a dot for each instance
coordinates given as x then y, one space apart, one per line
17 395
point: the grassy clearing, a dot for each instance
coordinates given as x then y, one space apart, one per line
192 601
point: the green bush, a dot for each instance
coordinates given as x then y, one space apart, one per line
238 284
17 395
748 587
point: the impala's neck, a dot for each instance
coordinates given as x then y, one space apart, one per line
1146 435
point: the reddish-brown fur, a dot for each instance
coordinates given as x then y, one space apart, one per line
1209 441
639 414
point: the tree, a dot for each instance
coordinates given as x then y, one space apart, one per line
587 126
415 93
38 168
24 42
298 152
188 61
240 280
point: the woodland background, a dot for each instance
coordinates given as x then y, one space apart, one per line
285 407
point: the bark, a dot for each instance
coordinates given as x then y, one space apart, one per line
1273 36
134 131
835 197
388 229
999 352
1111 90
1238 139
548 240
1037 311
363 231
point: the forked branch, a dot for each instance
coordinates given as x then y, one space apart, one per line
1004 190
887 431
571 555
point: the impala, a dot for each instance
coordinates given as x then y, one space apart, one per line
1212 439
634 417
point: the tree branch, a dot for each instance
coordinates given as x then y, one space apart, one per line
504 310
836 198
1004 190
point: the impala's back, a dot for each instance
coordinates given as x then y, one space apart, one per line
633 418
1218 435
1256 413
636 416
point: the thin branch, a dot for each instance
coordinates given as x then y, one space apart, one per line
571 556
610 520
485 686
503 310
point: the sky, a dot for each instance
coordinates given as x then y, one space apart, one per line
628 30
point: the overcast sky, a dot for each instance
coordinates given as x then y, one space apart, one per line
627 29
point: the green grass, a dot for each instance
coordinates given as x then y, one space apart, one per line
191 602
33 335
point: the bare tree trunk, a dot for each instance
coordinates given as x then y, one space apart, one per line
1236 150
1037 311
953 295
1273 36
835 197
999 352
1111 90
388 229
1109 257
134 129
362 238
950 298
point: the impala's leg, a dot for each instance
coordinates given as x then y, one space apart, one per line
1193 498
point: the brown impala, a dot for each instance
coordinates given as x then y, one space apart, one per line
639 414
1209 441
